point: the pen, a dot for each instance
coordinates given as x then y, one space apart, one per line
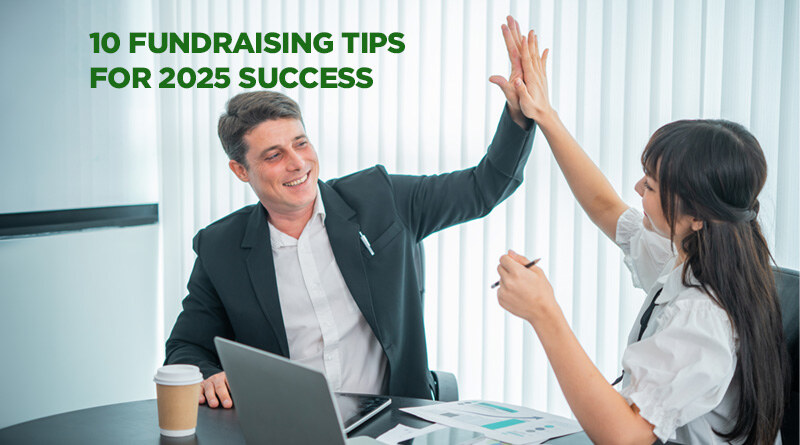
532 263
366 243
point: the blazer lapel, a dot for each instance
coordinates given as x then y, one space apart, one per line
261 269
346 244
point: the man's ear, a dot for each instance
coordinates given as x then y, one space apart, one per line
696 224
239 170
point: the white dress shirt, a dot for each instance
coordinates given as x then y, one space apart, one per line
681 374
324 326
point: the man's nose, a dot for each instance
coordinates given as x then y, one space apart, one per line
294 161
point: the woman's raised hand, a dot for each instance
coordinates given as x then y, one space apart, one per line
526 87
534 99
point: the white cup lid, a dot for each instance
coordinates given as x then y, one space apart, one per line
174 375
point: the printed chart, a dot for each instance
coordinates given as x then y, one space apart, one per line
511 424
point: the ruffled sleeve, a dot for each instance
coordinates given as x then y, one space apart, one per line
682 371
646 253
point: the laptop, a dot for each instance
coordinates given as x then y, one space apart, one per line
280 401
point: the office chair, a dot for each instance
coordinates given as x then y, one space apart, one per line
787 282
445 385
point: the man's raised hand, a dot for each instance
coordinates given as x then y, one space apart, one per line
513 39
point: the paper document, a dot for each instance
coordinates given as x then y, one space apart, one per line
511 424
404 432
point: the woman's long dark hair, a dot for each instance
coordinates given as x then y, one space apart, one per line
713 170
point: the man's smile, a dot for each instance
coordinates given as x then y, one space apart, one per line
297 181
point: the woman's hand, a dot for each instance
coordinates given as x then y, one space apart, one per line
534 99
526 87
525 292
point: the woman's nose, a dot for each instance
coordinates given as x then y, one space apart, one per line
639 187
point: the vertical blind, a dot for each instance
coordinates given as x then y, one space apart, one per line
619 70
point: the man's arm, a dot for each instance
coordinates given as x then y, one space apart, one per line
431 203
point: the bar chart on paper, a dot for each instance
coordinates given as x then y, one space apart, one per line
512 424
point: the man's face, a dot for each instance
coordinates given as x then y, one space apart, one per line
282 166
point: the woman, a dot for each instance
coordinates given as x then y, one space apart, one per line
705 361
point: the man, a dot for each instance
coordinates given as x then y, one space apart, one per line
323 272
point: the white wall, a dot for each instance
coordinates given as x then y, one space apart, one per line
78 316
66 145
79 312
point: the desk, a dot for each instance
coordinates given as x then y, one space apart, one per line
137 423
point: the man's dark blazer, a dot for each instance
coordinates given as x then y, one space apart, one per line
233 291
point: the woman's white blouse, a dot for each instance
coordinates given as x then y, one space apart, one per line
681 374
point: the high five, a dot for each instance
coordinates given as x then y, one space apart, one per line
705 361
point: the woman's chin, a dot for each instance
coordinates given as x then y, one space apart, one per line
648 225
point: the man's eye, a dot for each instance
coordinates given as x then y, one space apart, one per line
302 143
272 156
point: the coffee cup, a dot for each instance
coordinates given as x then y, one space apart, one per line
178 392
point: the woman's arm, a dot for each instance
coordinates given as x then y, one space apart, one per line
587 182
602 412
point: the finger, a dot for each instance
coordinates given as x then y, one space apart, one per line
514 26
202 396
508 90
222 392
533 50
527 65
211 397
522 92
228 386
498 80
511 45
544 59
508 263
535 53
512 29
518 258
503 272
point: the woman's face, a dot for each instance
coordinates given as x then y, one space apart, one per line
654 219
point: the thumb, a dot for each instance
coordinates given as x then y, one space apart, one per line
518 258
508 90
499 81
522 92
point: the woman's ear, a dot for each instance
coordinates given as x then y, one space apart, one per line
696 224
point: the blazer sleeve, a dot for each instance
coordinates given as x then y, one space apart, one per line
203 317
432 203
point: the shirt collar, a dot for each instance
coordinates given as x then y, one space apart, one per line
279 239
671 281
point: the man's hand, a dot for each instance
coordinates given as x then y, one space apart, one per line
513 39
214 389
